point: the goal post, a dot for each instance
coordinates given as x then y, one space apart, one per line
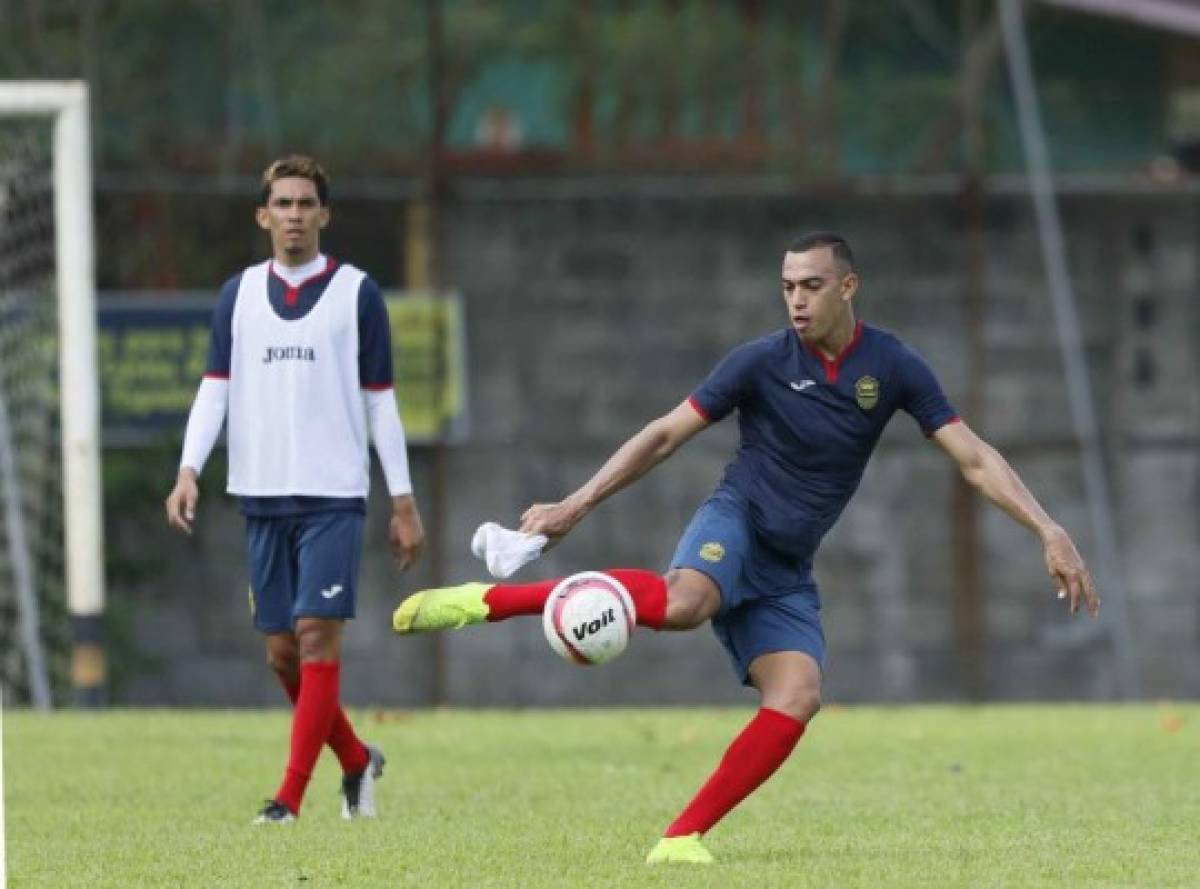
65 104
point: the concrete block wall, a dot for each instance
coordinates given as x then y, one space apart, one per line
592 309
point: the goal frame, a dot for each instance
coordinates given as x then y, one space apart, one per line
65 103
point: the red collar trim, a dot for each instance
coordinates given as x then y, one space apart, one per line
832 367
292 294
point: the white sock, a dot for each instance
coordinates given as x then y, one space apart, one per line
505 551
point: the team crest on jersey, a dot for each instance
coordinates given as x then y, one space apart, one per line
712 551
866 392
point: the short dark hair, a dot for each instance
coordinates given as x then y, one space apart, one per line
839 246
300 166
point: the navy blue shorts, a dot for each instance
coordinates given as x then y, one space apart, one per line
768 602
303 566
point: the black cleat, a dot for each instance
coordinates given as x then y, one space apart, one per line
275 812
358 791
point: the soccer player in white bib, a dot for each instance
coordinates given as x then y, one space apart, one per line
300 367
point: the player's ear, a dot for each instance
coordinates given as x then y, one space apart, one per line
849 286
263 217
325 215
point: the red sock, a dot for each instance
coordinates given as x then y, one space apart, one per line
316 706
751 759
350 751
647 589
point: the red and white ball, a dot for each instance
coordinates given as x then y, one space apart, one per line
588 618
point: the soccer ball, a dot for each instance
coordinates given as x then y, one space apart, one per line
588 618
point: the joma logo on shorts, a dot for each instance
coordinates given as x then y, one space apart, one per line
593 626
289 353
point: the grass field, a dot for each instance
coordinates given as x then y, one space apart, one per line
914 796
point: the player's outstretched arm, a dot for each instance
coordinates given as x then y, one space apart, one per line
657 441
984 467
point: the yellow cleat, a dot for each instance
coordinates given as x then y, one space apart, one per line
680 850
445 608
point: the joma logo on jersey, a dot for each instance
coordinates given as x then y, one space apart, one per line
289 353
593 626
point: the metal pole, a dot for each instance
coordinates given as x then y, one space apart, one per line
81 396
970 591
1115 613
28 613
436 281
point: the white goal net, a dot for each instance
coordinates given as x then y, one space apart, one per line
32 584
33 593
51 574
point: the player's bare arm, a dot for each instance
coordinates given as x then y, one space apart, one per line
405 531
987 471
656 441
181 502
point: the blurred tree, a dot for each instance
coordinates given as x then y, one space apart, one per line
634 66
710 45
811 87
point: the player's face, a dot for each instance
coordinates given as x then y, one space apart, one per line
294 217
817 293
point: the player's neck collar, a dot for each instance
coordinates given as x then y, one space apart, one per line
833 365
294 274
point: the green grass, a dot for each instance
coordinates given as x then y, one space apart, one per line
913 796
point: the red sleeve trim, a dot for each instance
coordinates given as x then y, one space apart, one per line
698 409
955 419
216 376
377 387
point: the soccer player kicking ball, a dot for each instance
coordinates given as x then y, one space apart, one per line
300 359
812 401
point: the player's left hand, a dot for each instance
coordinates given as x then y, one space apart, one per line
1066 567
181 502
405 532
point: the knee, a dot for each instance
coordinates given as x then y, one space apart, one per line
689 604
318 640
682 616
684 613
801 702
284 660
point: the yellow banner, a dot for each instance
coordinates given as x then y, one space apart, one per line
428 349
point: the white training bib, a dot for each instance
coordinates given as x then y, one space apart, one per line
297 425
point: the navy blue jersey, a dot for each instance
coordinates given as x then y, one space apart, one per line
808 426
374 361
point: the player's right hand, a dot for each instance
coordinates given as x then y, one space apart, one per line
181 502
551 519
